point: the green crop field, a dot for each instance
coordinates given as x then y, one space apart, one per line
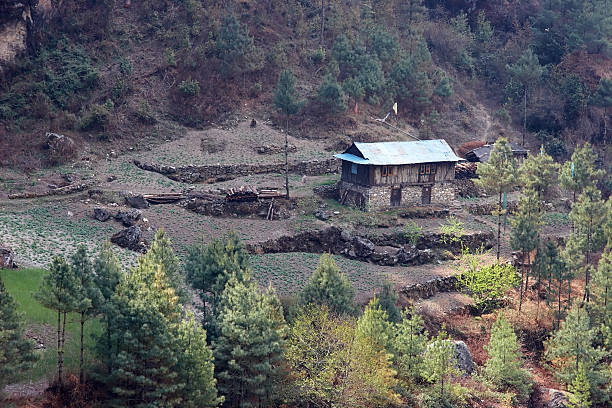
42 324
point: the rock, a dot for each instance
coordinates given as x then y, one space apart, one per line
7 257
137 201
130 238
253 123
101 214
557 399
464 358
346 236
322 215
405 256
111 178
363 247
129 217
60 147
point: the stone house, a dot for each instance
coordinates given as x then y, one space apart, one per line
397 174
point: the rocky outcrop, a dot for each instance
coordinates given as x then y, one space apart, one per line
463 358
388 250
216 173
130 238
61 148
129 217
7 257
137 201
557 399
101 214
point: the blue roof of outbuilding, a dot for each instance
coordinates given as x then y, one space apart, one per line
396 153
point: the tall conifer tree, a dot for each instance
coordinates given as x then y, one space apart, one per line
328 286
498 176
503 368
89 295
161 252
249 348
60 291
409 345
16 352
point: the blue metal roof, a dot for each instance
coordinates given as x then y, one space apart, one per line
396 153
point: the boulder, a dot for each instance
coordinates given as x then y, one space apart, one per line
7 257
363 247
557 399
129 217
464 358
137 201
407 255
322 215
60 147
101 214
130 238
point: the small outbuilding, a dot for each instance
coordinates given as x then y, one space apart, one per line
481 154
393 174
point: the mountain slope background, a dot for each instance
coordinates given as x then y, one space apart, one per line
122 73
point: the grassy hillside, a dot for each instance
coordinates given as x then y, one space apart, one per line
41 325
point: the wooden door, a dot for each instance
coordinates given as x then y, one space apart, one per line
426 195
396 196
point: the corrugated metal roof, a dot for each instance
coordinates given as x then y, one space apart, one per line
484 152
396 153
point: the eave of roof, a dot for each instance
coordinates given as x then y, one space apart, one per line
398 153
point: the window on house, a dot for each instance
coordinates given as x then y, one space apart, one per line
387 171
427 169
353 168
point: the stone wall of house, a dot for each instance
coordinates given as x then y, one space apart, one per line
379 197
442 193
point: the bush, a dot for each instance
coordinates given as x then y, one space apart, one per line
97 117
145 113
331 95
487 284
412 232
452 230
317 56
189 87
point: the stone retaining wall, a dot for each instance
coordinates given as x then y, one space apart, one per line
214 173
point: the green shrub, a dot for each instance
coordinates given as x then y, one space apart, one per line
331 95
145 113
412 232
97 117
452 230
317 56
189 87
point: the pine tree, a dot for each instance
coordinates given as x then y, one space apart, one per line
503 368
89 294
249 348
572 345
528 72
603 98
208 269
411 14
580 390
161 252
16 352
558 272
328 286
588 216
498 175
60 291
444 87
288 102
525 233
538 173
157 359
387 298
235 46
601 288
580 172
195 366
409 345
374 325
331 95
108 274
440 362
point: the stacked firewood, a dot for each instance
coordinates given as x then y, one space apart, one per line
466 170
242 193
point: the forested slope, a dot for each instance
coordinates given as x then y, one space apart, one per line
109 70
